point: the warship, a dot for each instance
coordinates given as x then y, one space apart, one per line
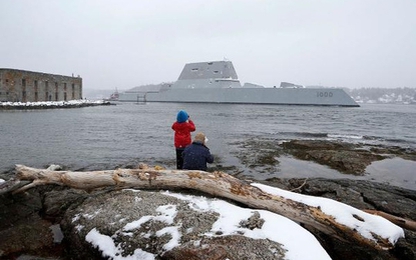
217 82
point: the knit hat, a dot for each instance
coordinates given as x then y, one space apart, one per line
182 116
199 137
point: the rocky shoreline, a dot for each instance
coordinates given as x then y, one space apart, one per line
30 222
347 158
362 195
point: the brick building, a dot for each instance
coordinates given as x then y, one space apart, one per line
29 86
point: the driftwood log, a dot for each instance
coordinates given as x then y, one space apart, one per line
216 184
402 222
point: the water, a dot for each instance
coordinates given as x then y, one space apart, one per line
106 137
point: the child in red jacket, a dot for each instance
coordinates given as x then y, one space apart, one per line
183 128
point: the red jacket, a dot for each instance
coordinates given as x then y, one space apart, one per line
183 133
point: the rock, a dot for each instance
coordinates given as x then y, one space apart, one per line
57 201
359 194
22 230
54 167
229 247
347 158
249 155
253 222
19 207
344 157
362 195
109 213
22 225
29 235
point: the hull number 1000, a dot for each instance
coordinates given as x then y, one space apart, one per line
324 94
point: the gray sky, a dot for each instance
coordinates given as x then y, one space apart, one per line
126 43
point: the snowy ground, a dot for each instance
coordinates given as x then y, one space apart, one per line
299 243
276 228
79 102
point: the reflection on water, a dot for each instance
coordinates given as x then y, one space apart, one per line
293 168
396 171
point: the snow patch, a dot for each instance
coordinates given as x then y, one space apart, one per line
365 224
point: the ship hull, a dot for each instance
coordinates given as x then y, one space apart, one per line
272 96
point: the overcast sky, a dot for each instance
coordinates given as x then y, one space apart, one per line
126 43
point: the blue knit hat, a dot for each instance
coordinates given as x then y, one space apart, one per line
182 116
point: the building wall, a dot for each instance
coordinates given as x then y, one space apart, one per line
29 86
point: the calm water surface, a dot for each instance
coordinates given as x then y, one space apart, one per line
106 137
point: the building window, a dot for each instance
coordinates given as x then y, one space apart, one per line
64 86
65 96
36 85
24 82
36 97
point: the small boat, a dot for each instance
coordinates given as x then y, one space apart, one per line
113 97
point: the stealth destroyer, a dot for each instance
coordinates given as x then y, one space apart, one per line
217 82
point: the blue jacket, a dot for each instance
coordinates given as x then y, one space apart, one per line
196 156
